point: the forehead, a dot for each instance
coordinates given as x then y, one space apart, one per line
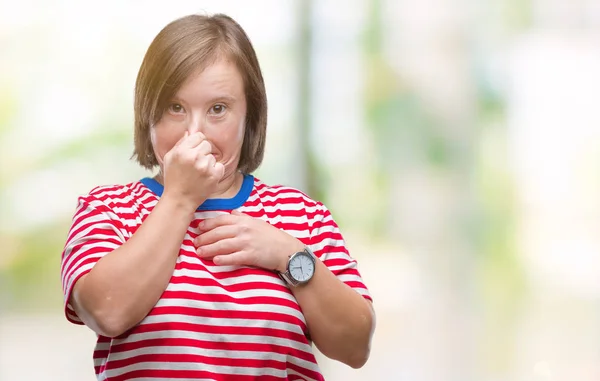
219 79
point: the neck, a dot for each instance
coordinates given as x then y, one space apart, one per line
228 187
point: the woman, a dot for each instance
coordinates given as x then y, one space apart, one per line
204 272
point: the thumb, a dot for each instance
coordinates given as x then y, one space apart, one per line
219 170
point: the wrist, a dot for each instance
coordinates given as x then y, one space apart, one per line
178 205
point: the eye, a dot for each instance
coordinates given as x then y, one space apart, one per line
218 109
176 108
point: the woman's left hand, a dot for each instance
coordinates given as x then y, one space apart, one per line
238 239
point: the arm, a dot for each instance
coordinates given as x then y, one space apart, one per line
126 283
341 322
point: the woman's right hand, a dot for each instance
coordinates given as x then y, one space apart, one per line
190 171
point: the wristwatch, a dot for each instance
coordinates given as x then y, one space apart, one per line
300 268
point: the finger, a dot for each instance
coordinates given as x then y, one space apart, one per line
203 149
236 212
205 163
222 247
193 140
183 138
215 235
212 223
211 161
234 259
218 171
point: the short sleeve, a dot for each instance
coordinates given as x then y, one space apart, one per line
327 244
95 232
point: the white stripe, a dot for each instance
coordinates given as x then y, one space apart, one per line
215 338
327 242
341 267
122 209
76 273
68 272
325 219
206 214
209 274
89 216
221 322
81 254
350 278
303 377
97 204
326 229
215 269
74 317
281 204
299 234
103 346
363 292
99 361
188 350
108 191
279 219
273 194
339 255
219 369
228 306
241 294
216 353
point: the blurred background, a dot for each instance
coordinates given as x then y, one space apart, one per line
457 144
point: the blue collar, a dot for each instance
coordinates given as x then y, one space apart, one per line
213 203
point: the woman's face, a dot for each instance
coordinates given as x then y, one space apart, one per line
212 102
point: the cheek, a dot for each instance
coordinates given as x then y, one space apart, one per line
163 139
241 129
229 138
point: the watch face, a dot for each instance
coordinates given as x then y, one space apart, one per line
302 267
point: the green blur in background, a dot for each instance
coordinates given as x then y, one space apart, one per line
457 145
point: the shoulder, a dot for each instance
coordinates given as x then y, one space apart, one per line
112 195
283 194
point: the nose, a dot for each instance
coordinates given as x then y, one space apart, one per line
196 124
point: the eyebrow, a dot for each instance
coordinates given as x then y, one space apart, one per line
219 98
225 98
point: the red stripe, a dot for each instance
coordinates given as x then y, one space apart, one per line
210 282
190 374
214 330
237 272
228 314
305 371
201 345
222 298
196 359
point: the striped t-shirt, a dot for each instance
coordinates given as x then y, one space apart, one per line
212 322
